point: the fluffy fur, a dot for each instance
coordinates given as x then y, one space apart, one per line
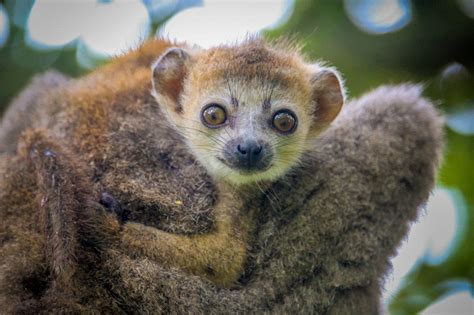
325 232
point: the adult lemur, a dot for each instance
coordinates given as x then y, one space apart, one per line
318 239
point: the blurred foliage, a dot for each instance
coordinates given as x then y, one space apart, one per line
434 48
19 62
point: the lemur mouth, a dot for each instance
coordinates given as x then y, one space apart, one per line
243 169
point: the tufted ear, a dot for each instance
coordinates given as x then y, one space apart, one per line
328 95
169 72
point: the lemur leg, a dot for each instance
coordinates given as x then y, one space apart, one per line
219 254
66 217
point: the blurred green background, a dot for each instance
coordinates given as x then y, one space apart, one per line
371 43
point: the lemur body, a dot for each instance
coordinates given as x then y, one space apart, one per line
247 112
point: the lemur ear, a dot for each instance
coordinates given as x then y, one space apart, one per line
169 72
328 95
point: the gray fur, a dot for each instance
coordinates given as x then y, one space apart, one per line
19 114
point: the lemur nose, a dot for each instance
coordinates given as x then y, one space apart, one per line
249 153
251 148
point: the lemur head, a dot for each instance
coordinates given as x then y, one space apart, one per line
247 111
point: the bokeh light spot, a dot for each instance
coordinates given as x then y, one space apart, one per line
107 28
462 121
53 24
221 21
459 303
4 26
161 9
380 16
123 24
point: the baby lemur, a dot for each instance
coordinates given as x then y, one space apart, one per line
248 113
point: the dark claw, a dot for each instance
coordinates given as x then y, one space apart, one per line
109 202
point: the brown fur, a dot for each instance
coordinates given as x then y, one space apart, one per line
322 247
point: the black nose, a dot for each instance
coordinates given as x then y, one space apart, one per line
250 148
249 154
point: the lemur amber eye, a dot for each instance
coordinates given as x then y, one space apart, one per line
213 116
284 121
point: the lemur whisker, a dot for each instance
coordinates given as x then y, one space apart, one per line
216 140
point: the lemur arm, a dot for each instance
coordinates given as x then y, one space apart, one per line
219 254
371 172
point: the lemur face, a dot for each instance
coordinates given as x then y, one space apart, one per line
247 112
246 131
